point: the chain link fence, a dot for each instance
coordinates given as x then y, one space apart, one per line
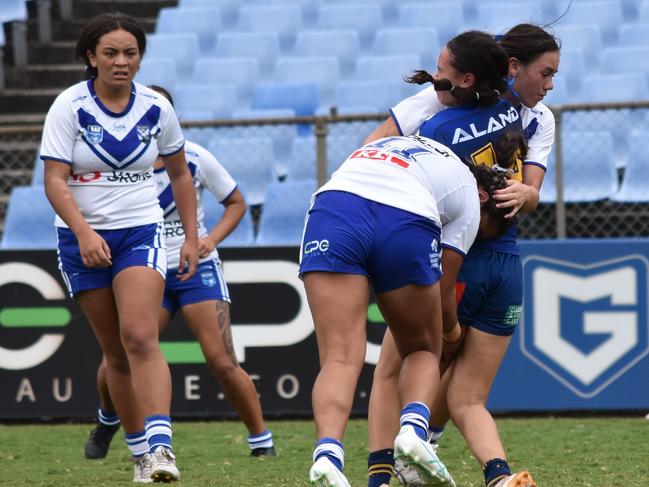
597 184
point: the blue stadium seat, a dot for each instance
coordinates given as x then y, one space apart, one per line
38 171
446 17
242 72
560 94
389 7
363 18
424 42
572 68
218 100
285 20
282 216
636 176
202 21
614 87
589 170
380 96
607 14
282 134
29 223
587 38
309 8
160 71
323 71
498 17
339 148
300 97
242 236
634 34
182 48
342 44
263 46
388 68
643 14
623 60
249 160
229 8
302 163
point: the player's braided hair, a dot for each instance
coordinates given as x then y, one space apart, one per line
511 147
477 53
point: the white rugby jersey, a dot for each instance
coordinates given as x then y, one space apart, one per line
538 123
417 175
111 154
208 174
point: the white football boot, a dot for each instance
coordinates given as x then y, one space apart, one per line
419 455
142 469
323 473
163 465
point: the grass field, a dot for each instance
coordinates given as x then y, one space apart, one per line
560 452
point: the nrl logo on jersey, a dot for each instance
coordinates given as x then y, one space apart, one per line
494 124
95 134
143 133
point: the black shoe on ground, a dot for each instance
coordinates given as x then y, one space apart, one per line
264 452
99 441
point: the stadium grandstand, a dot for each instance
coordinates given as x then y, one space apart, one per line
241 71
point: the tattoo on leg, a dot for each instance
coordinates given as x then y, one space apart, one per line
223 314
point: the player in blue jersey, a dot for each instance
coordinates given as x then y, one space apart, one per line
491 289
381 221
204 300
100 141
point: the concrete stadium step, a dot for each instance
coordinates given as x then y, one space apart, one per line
44 76
54 52
69 30
13 119
16 100
137 8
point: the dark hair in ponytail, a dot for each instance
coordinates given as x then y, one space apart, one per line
526 42
477 53
510 147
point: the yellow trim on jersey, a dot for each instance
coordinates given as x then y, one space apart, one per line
487 155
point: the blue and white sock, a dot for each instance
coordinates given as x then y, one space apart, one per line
106 418
332 449
262 440
158 431
416 414
137 443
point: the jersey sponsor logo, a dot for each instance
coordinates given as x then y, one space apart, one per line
94 134
512 315
316 246
494 124
128 177
586 325
86 177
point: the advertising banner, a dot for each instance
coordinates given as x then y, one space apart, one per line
582 343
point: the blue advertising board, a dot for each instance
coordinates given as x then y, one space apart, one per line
583 339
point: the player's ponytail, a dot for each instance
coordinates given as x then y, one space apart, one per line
477 53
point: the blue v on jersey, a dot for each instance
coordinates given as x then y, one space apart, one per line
111 154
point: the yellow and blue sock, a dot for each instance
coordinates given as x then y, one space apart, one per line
380 467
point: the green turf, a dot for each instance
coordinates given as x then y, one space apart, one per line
570 452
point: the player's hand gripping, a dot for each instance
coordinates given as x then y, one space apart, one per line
514 196
205 246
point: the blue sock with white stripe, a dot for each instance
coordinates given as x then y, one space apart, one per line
262 440
137 443
416 414
434 434
332 449
158 431
106 418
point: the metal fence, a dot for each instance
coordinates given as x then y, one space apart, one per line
601 151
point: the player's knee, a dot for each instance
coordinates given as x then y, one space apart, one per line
138 342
